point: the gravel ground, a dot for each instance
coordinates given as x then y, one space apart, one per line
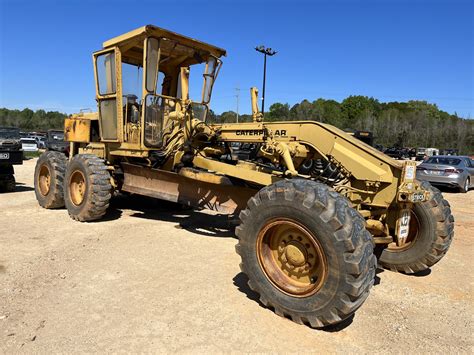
152 277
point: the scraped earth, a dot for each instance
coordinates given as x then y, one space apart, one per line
153 277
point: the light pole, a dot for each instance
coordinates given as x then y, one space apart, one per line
265 52
237 94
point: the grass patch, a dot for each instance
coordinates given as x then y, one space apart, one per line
30 155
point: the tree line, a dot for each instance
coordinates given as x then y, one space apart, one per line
394 124
29 120
401 124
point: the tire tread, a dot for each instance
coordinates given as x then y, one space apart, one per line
350 232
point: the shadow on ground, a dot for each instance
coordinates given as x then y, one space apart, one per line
20 187
448 189
241 282
195 221
379 270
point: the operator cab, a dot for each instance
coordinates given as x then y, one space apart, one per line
143 80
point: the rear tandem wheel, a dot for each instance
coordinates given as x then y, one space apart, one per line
49 176
87 188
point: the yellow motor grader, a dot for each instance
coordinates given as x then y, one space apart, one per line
317 207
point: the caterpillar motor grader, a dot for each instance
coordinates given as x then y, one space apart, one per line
317 207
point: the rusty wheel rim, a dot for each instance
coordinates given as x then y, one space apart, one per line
412 235
44 180
291 257
77 187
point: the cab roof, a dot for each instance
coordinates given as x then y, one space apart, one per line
136 37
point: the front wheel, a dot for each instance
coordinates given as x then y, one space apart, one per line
306 252
430 235
87 188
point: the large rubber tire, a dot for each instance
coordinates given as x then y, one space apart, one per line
339 230
10 183
7 183
53 164
97 189
435 233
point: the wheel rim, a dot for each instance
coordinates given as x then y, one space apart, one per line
466 185
291 257
77 187
412 235
44 180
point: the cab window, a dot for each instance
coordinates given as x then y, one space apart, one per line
106 73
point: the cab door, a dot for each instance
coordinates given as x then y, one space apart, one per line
107 65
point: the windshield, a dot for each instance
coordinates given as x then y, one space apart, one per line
169 58
201 81
132 82
443 161
9 133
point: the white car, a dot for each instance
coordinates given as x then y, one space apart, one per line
29 144
41 142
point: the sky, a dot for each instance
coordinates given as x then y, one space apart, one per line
391 50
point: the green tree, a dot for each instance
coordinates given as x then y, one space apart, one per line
278 112
302 111
360 112
228 117
327 111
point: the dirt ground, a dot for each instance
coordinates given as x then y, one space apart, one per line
152 277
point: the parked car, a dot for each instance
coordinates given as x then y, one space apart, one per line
10 154
41 142
447 170
400 153
29 145
422 153
55 141
449 151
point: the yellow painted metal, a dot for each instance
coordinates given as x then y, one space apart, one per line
98 149
291 257
129 153
170 186
256 115
77 130
184 76
44 180
376 227
93 116
258 177
141 33
371 180
77 187
116 96
204 176
363 161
